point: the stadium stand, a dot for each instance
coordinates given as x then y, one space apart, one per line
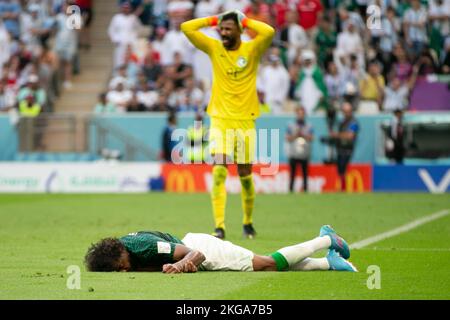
405 39
370 49
380 55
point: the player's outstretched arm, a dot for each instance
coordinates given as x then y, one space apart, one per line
192 28
187 259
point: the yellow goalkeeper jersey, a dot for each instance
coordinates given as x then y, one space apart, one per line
233 93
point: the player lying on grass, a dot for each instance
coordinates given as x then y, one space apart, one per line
156 251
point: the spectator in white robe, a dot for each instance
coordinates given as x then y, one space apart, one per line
123 31
275 83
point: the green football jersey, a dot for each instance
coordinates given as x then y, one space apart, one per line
150 248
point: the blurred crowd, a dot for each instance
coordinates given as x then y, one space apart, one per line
39 51
366 52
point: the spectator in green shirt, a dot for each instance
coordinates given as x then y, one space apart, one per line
325 42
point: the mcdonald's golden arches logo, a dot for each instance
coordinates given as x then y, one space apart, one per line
353 180
180 181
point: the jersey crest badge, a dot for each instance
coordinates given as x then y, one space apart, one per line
242 62
163 247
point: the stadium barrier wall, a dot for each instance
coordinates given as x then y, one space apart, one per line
104 177
9 141
398 178
147 128
100 177
115 177
369 146
322 178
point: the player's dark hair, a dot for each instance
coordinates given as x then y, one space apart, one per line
104 255
231 16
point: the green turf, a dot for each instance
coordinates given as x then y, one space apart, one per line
41 235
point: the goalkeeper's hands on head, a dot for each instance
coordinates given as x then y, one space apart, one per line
242 18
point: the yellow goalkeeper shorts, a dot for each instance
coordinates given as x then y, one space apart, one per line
234 138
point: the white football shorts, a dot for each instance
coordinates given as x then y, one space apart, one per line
220 255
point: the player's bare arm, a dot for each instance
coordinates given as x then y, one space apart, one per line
187 260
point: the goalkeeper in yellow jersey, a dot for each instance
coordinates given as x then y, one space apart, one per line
234 104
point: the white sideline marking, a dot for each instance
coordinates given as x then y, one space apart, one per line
405 228
409 249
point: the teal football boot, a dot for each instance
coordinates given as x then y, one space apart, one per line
337 263
337 242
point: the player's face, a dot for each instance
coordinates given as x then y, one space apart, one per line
124 264
230 33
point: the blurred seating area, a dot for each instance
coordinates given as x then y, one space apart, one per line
381 55
377 54
40 43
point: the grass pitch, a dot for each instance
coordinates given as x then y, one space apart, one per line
41 235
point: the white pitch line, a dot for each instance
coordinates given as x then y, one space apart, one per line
409 249
405 228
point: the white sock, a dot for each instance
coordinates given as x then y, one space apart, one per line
296 253
311 264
